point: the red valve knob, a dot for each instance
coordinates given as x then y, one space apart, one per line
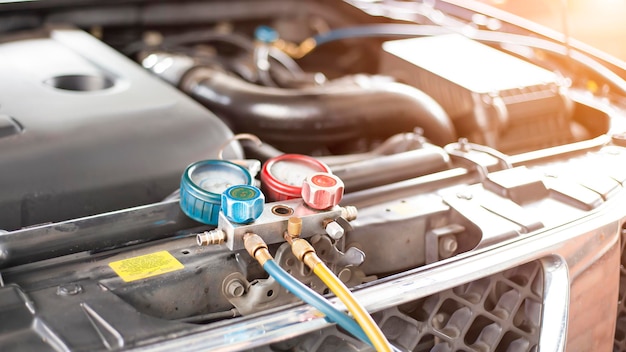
322 190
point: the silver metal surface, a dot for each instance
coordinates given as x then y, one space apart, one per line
272 224
422 184
381 170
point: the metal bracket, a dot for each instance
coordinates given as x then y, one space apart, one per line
441 243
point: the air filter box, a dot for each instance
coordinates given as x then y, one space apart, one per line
493 98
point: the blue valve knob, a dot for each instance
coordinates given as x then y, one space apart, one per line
242 204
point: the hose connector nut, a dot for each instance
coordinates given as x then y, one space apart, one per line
322 190
256 247
301 247
253 242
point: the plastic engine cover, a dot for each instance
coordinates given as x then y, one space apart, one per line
98 133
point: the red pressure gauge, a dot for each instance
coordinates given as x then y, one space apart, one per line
282 176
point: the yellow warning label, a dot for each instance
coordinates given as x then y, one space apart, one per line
146 266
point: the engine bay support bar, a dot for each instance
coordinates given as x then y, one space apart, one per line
93 233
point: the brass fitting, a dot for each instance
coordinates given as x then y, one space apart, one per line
294 50
206 238
256 247
294 229
311 260
294 226
303 250
300 247
349 212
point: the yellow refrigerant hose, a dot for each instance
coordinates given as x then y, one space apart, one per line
359 313
303 250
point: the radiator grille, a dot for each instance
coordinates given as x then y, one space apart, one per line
501 312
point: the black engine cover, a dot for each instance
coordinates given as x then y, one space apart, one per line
96 133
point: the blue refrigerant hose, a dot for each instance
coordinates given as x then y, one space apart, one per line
311 297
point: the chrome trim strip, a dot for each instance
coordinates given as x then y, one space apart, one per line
555 304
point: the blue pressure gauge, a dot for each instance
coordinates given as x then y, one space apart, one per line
202 184
242 204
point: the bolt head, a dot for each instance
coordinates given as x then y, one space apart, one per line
235 288
447 246
69 290
334 230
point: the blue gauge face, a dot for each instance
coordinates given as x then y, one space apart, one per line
217 177
217 181
202 185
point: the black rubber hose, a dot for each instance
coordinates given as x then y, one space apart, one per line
319 116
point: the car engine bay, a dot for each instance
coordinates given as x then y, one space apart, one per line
460 174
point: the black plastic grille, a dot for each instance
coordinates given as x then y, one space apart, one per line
501 312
